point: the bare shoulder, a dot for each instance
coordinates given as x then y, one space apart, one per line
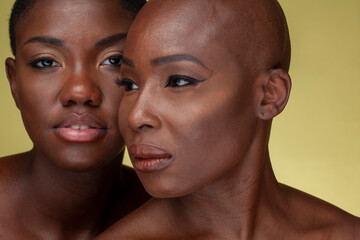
148 222
316 219
12 167
12 170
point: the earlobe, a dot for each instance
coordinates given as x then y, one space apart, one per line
11 76
276 91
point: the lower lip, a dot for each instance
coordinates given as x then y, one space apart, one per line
148 165
73 135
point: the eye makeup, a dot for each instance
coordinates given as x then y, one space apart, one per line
176 81
127 83
43 62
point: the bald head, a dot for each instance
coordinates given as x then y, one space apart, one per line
260 27
253 31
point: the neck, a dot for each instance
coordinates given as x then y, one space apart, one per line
236 203
68 201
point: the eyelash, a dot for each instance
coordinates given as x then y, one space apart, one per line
116 57
172 82
35 63
126 82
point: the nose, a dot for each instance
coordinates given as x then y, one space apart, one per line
80 88
144 113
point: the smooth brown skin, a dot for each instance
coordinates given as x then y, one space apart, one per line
219 184
62 189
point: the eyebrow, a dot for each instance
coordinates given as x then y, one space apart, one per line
45 39
176 58
111 39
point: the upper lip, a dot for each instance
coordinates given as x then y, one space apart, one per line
85 119
147 151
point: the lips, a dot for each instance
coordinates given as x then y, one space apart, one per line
80 128
147 158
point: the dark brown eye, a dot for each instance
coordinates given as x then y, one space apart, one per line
176 81
44 62
113 60
129 84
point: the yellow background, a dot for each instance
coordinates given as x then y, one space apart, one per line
315 143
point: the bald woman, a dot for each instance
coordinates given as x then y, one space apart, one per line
202 81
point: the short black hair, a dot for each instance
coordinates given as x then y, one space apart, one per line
22 7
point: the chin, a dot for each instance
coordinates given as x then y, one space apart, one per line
165 188
80 160
78 164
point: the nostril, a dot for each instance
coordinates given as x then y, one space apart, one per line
145 126
70 102
89 102
139 121
74 95
143 114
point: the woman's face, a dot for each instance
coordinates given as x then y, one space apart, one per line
68 55
188 114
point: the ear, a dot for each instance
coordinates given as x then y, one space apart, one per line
11 76
276 91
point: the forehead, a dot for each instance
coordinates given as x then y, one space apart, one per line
75 18
172 27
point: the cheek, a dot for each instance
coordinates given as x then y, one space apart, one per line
211 137
109 112
36 101
218 120
111 100
125 106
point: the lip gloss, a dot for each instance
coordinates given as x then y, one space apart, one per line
147 158
80 128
